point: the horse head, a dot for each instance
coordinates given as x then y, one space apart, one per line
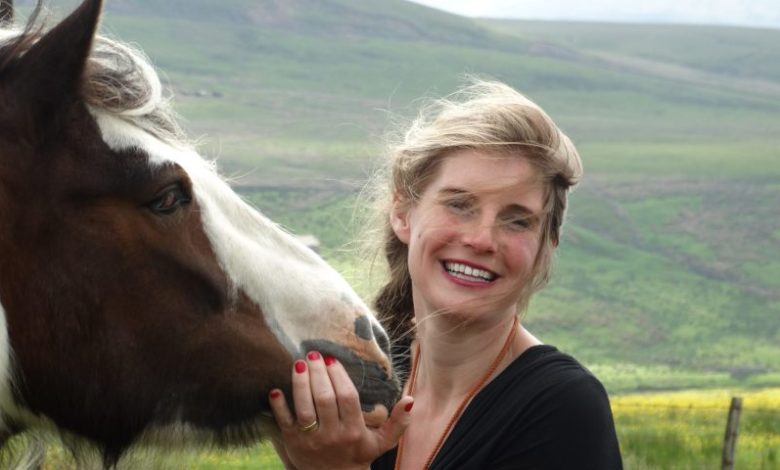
138 292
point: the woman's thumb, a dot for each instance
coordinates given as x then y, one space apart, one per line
399 420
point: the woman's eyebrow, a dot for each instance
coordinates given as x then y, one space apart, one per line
453 191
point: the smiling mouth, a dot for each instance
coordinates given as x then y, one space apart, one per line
468 273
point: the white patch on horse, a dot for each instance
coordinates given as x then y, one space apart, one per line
286 279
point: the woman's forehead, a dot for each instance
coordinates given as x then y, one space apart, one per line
484 173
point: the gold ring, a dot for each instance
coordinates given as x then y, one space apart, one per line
310 427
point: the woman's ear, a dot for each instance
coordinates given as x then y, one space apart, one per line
399 218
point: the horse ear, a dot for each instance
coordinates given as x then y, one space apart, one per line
6 12
49 74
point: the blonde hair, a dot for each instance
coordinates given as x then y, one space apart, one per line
487 116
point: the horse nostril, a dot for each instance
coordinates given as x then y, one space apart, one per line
363 328
368 330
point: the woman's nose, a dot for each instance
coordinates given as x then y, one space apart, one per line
480 236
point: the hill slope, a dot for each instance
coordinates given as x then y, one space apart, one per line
669 274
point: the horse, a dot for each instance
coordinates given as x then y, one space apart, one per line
141 299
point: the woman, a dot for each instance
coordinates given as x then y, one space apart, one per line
473 212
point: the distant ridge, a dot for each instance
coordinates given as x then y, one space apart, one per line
388 19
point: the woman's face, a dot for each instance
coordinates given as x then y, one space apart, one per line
473 235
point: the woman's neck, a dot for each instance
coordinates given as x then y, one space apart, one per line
454 356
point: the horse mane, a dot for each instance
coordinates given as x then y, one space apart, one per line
6 11
118 79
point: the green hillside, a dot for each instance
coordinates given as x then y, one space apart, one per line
669 274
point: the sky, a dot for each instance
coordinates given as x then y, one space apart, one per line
753 13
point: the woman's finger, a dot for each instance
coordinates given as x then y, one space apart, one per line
346 394
305 412
322 393
282 414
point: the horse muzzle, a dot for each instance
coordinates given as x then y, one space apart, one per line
377 385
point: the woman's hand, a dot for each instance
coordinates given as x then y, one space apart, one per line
324 394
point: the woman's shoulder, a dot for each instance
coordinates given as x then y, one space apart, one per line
541 383
559 413
545 367
541 378
544 403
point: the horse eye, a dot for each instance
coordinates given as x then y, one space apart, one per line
172 198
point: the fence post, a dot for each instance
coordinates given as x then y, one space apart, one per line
732 429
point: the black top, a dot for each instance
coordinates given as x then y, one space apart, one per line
544 411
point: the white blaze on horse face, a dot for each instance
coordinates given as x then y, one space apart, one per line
301 296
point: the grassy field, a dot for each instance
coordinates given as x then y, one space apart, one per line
685 430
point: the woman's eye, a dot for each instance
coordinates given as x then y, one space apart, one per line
170 200
523 223
520 223
458 206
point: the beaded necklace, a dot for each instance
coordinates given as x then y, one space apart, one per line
462 406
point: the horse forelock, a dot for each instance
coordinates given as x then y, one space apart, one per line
121 81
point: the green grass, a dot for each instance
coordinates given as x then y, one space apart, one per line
261 457
692 159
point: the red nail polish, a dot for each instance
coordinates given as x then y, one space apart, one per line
275 394
408 407
300 367
329 360
313 356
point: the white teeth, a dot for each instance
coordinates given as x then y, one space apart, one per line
461 270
